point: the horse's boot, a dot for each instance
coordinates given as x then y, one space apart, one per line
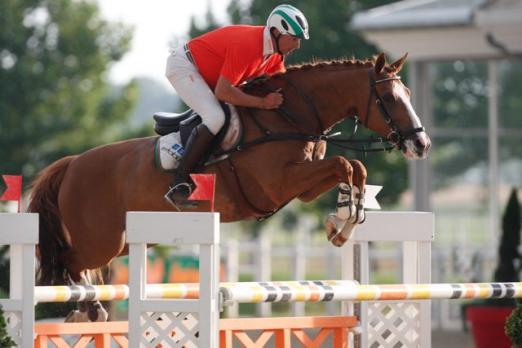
196 147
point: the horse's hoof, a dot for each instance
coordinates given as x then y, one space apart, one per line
345 234
75 316
338 240
333 226
98 313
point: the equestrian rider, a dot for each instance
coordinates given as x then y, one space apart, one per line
209 68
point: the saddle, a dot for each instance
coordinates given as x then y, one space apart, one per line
175 130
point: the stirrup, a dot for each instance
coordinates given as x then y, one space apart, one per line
182 202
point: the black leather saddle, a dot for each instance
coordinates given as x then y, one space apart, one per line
167 122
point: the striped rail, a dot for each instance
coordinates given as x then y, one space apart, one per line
288 291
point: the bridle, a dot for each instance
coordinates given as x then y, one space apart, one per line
396 136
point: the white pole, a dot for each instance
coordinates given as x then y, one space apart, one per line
174 229
20 232
232 271
264 269
494 217
137 284
301 240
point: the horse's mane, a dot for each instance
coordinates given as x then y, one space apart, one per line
315 64
318 63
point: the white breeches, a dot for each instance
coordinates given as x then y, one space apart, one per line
193 90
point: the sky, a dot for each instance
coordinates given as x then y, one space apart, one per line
156 23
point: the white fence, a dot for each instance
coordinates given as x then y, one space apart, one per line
462 263
413 230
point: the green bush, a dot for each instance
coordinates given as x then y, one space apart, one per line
509 259
5 339
514 327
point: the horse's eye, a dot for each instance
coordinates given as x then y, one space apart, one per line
388 98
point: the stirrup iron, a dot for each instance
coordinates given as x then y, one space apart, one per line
182 203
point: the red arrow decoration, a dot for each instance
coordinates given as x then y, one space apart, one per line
205 188
13 190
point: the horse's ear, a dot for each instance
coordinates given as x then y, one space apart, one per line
380 63
397 66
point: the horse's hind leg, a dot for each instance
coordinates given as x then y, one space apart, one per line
87 310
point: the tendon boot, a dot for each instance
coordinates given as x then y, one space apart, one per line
197 145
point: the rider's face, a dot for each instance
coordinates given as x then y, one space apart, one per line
288 43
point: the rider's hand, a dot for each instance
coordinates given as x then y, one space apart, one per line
272 100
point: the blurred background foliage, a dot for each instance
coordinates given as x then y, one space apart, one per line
55 100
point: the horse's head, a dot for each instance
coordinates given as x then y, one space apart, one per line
389 111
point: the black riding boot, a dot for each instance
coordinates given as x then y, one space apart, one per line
196 147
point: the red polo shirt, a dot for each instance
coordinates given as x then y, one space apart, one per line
235 52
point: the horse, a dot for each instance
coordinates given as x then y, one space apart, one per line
82 199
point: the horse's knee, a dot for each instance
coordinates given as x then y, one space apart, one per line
343 168
307 197
359 169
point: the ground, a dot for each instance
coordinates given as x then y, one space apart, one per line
451 339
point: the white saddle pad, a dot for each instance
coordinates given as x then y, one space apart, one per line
169 150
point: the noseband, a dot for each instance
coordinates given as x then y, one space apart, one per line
396 136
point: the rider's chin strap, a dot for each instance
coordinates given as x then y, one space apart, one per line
276 40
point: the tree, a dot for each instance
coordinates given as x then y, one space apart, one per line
508 266
55 100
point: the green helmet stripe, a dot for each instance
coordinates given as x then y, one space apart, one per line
290 7
297 29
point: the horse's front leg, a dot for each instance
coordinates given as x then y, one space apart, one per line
353 174
323 186
350 207
351 177
350 202
308 180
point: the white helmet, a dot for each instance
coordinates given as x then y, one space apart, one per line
289 21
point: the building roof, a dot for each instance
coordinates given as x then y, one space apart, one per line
418 13
444 29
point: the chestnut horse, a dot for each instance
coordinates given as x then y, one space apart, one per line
82 200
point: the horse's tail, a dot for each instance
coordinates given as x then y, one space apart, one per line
52 239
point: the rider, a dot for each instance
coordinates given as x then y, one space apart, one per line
209 68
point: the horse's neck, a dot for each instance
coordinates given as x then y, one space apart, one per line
336 93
